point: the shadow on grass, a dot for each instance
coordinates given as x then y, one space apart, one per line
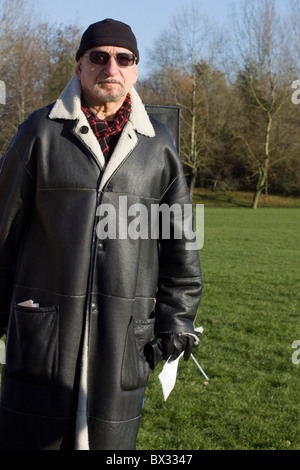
221 199
242 199
218 200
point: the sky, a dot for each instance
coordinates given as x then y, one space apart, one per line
147 18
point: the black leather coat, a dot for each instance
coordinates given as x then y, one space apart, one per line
51 187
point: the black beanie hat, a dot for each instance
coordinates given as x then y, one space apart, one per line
108 33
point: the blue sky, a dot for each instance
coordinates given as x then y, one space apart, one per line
147 18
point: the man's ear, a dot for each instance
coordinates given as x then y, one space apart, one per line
136 73
78 69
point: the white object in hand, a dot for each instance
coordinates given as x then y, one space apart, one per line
168 376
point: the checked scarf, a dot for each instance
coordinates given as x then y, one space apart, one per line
107 132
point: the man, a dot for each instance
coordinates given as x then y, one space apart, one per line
78 304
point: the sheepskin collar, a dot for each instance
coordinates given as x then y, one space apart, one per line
68 106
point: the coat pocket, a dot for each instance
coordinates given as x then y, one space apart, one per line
32 344
135 370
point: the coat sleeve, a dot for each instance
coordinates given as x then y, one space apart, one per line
180 279
16 192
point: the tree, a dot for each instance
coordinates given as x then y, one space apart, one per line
263 84
36 62
181 76
15 55
60 44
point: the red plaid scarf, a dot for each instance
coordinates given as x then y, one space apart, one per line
105 130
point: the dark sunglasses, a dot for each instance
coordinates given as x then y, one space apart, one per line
123 59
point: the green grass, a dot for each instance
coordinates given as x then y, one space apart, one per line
250 313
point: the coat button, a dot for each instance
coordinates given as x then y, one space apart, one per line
94 307
101 246
84 130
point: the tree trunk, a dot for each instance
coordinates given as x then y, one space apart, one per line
193 183
193 136
259 188
263 171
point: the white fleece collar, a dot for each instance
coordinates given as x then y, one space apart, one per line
68 106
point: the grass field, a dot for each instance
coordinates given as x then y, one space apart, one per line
250 313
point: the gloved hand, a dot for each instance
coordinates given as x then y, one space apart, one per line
169 346
173 344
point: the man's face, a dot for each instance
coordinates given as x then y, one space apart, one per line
108 83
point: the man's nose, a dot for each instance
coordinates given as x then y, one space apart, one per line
111 68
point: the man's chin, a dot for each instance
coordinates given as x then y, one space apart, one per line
110 98
110 94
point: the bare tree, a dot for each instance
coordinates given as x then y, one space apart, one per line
293 26
263 48
21 64
187 53
36 62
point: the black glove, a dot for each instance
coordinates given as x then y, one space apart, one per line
170 346
173 344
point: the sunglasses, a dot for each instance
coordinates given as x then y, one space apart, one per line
123 59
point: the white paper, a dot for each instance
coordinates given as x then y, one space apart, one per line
2 352
168 376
